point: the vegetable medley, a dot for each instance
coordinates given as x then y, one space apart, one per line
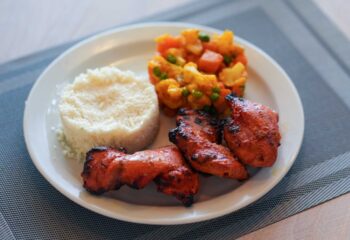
198 71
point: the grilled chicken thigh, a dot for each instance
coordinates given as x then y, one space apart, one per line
107 169
197 136
252 133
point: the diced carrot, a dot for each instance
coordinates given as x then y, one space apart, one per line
168 42
192 58
210 46
210 61
240 58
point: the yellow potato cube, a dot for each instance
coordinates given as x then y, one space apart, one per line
229 75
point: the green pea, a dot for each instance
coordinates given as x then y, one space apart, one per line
171 58
204 37
216 89
214 96
227 59
163 76
185 92
197 94
156 71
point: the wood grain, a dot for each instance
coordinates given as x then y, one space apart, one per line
27 26
330 220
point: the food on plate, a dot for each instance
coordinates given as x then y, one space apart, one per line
107 169
197 136
197 71
252 133
201 78
110 107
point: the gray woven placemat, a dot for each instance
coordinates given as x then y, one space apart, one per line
296 34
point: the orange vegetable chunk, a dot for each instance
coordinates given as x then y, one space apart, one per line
166 41
210 61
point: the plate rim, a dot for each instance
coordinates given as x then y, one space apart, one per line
110 214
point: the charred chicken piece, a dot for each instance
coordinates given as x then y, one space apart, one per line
107 169
252 133
197 136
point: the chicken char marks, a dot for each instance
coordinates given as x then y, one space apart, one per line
197 136
252 133
107 169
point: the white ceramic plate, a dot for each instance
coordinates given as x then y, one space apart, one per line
130 48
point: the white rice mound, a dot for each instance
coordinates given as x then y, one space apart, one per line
109 107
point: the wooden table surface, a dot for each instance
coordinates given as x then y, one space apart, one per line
27 26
